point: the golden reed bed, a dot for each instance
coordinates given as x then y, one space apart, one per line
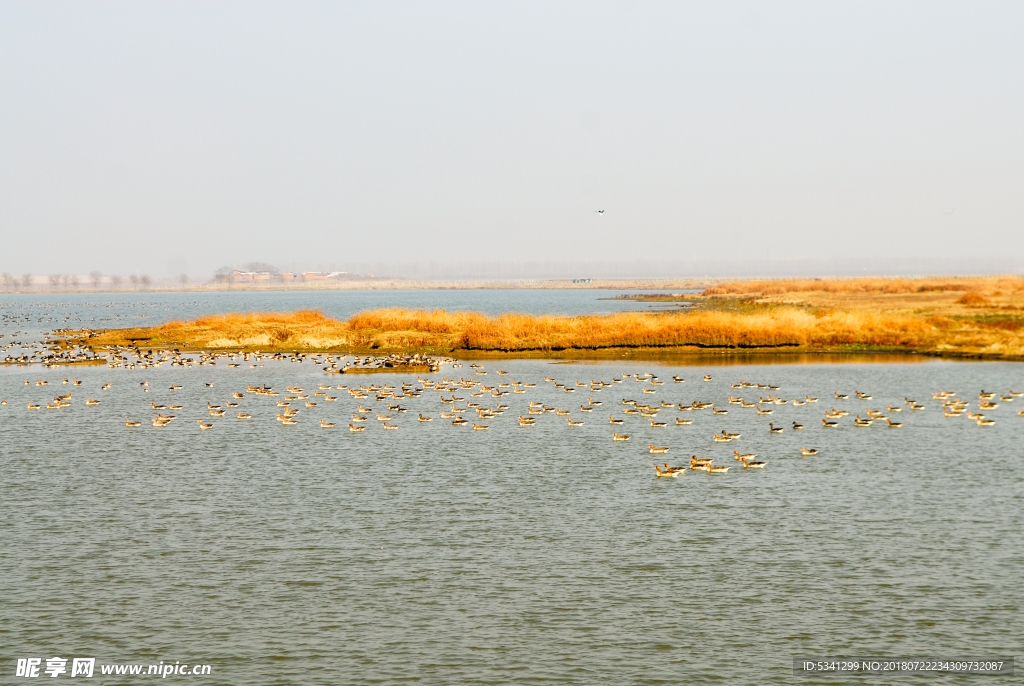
979 320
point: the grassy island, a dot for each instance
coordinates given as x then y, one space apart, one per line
981 318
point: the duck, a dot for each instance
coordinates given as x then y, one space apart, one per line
827 423
683 421
775 429
656 450
655 424
325 425
717 411
572 423
798 427
425 419
620 437
717 470
840 396
808 451
730 436
986 422
129 422
203 425
678 379
613 420
862 422
356 429
91 402
243 415
753 465
894 425
668 472
477 427
809 399
707 377
217 413
748 456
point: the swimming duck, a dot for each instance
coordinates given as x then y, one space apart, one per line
753 465
775 429
620 437
203 425
325 425
355 429
808 451
655 450
669 472
798 427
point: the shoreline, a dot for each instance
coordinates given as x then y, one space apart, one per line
382 284
950 319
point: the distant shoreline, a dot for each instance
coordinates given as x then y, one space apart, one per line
398 285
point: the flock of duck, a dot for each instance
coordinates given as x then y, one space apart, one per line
483 400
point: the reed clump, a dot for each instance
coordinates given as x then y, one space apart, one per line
410 330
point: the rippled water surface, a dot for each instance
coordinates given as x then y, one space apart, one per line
295 554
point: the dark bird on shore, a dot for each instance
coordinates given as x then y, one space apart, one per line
599 211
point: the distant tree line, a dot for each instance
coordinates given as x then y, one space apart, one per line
69 281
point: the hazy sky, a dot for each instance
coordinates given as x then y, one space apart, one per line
182 136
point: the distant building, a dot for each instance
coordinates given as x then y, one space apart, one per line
239 275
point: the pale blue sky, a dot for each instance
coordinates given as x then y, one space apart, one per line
180 136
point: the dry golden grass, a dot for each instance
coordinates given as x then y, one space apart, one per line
788 327
994 284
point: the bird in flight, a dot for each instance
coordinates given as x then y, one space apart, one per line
599 211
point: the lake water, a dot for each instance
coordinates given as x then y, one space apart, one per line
438 554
